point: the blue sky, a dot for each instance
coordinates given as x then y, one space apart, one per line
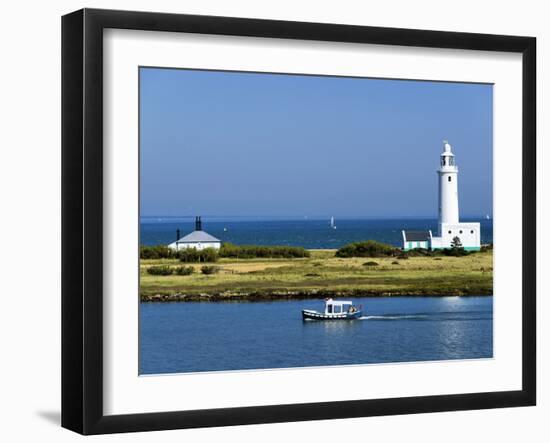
252 144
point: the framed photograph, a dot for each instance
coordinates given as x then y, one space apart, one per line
269 221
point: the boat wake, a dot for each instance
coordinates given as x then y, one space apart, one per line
394 317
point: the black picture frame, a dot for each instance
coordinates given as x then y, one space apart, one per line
82 215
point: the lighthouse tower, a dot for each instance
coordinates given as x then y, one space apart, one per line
451 232
448 188
450 229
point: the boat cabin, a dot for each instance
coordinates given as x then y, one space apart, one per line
338 307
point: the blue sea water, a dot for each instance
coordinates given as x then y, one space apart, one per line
220 336
310 234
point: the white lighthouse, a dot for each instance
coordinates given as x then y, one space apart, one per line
449 225
448 187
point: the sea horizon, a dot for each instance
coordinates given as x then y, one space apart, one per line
155 217
310 233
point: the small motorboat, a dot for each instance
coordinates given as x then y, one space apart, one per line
334 310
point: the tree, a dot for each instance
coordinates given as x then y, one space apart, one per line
456 243
457 249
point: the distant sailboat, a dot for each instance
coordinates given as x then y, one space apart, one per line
332 225
488 217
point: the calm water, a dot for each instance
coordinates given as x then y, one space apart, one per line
195 336
310 234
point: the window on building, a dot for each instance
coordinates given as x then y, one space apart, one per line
452 161
442 161
449 232
472 231
449 178
460 231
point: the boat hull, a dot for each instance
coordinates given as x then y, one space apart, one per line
315 315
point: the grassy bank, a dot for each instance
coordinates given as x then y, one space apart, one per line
320 275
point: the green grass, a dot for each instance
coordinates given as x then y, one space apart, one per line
322 274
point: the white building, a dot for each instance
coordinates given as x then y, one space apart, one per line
197 239
449 225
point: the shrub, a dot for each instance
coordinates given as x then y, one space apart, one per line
394 262
369 248
370 263
184 270
156 252
437 258
455 252
229 250
208 270
193 255
485 248
160 270
312 275
420 252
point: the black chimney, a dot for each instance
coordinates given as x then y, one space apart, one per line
177 234
198 224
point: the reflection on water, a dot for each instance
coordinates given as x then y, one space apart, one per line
192 337
333 326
